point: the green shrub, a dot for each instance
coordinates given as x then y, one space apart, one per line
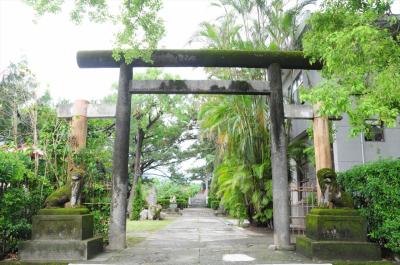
21 196
164 202
101 217
214 204
375 188
182 192
138 202
182 203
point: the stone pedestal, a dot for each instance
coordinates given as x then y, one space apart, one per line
336 234
61 234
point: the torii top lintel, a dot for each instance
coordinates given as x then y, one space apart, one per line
203 58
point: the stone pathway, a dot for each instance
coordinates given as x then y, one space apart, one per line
198 237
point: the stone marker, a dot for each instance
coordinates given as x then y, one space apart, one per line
154 209
172 203
143 215
152 197
61 234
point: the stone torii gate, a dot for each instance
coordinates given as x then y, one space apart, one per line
273 61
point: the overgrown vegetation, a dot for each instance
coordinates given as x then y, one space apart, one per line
374 188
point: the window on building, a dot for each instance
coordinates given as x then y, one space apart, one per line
295 89
375 131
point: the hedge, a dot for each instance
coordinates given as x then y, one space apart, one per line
375 189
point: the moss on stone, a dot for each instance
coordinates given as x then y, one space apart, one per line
337 250
303 246
59 197
64 211
336 211
336 227
346 201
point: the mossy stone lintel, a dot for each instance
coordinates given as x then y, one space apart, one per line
203 58
63 211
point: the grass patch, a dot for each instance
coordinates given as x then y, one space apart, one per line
146 225
133 240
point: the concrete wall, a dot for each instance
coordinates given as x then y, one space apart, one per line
350 151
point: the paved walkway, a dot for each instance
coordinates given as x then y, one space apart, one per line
198 237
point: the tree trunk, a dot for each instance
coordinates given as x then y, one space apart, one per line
117 231
137 168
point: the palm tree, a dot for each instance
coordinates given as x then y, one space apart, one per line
239 125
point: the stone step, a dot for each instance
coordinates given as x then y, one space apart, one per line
198 200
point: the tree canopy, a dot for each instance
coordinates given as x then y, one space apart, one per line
358 42
139 28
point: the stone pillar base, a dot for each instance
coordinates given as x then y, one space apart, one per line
60 249
61 234
337 250
336 234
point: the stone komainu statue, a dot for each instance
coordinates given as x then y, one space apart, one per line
332 194
70 193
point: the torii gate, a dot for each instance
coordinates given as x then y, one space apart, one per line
274 61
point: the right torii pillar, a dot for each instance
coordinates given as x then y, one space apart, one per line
322 145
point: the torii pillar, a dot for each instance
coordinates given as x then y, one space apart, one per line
279 162
117 233
322 146
78 134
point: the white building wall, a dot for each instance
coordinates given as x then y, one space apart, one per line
350 151
347 151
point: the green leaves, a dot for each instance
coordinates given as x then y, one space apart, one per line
12 168
141 30
139 27
361 62
238 126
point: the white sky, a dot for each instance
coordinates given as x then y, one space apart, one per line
51 45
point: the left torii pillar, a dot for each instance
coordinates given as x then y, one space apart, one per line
117 233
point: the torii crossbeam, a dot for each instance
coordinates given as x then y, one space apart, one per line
274 61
